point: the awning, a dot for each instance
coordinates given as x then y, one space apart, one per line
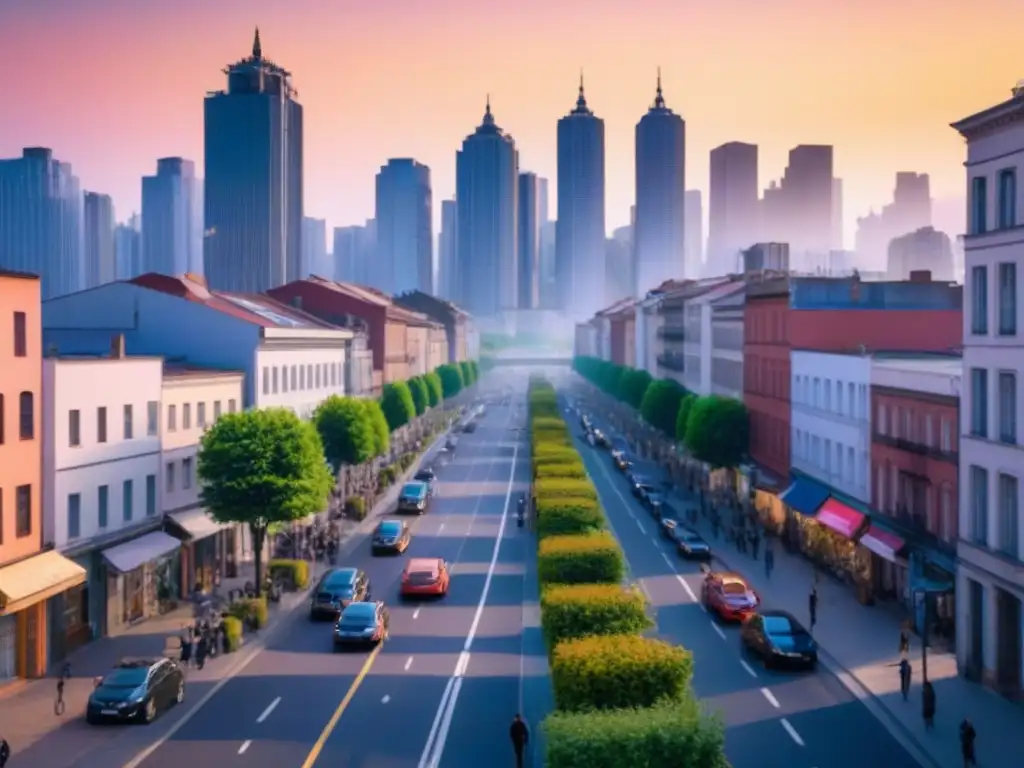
132 554
804 495
37 578
882 543
196 522
840 518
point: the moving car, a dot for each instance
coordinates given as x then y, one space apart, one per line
669 526
362 623
600 439
691 545
470 428
654 500
429 477
618 446
729 595
779 640
425 577
390 536
336 589
641 486
413 498
625 461
136 689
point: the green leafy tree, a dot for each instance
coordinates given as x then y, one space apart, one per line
379 422
397 404
660 406
261 467
633 386
683 417
475 368
420 398
467 372
345 431
451 379
435 393
718 431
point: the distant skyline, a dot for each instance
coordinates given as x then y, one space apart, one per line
118 84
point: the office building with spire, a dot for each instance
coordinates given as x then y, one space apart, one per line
172 219
660 230
253 177
486 190
580 228
404 214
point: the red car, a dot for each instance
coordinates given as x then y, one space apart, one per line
425 577
729 595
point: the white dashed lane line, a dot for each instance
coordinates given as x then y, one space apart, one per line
267 712
667 560
750 669
718 629
689 591
385 700
416 613
771 698
245 746
792 732
408 663
640 526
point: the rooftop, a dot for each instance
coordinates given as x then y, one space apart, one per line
18 275
615 308
945 366
373 297
178 370
997 116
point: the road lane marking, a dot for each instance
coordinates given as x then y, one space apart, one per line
771 698
408 663
640 526
750 669
630 511
245 745
792 732
440 527
689 591
268 710
416 613
318 747
669 562
386 699
718 629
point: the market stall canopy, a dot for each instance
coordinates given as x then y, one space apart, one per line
836 516
37 578
196 523
882 542
133 554
804 495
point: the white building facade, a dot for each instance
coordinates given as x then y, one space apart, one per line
699 352
831 420
990 581
647 321
727 344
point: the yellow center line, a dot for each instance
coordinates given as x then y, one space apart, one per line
318 747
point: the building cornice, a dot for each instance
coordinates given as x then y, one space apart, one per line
993 119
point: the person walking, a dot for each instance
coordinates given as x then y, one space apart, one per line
967 737
755 541
187 642
769 559
520 736
928 704
812 606
906 671
904 640
202 649
5 752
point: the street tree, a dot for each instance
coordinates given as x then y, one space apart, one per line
420 398
467 372
435 394
397 404
660 406
718 431
379 423
261 467
451 379
683 417
475 368
633 386
345 431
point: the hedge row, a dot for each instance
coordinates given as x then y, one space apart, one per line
621 699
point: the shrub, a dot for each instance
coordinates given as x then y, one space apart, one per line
676 734
420 396
618 671
355 508
294 573
569 612
251 611
552 487
568 470
435 393
547 423
568 516
592 559
233 631
547 453
385 478
397 403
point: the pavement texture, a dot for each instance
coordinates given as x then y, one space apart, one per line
850 711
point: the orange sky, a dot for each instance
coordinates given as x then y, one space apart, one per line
113 84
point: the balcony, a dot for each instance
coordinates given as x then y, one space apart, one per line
919 449
671 361
672 333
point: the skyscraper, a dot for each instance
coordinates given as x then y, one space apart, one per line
579 231
172 224
799 209
660 196
314 248
354 249
41 227
486 177
253 195
447 250
100 262
733 206
694 235
529 241
128 248
405 247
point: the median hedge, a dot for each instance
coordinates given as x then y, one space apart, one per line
572 611
568 516
594 558
547 453
570 470
554 487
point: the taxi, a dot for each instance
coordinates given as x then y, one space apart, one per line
728 595
425 577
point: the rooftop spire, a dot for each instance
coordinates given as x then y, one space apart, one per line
488 117
659 99
581 101
257 48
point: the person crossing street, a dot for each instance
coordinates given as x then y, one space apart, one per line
520 736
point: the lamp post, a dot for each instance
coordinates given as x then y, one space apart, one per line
925 621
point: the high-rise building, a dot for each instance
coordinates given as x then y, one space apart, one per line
100 257
543 201
799 210
253 194
128 248
447 252
925 250
660 233
486 178
733 207
529 215
314 248
909 211
837 214
172 220
354 249
546 288
41 227
620 268
580 228
404 214
694 235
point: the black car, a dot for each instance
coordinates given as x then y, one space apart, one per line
691 545
337 588
136 689
391 537
470 428
625 461
641 486
429 477
363 623
779 640
668 528
600 439
654 500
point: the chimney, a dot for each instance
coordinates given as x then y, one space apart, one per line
117 347
921 276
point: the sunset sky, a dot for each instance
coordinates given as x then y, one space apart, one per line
111 85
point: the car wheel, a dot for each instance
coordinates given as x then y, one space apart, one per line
91 719
149 712
180 695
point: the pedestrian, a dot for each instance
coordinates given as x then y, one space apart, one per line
755 541
5 752
928 704
967 737
904 641
769 560
812 606
186 647
905 673
202 648
520 736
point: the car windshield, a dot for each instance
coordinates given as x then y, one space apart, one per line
128 677
360 620
412 489
782 626
390 528
424 475
340 580
693 538
734 588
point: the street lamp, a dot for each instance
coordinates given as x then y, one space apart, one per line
926 599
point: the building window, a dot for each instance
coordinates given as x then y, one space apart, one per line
74 515
74 429
979 301
979 402
1007 198
284 378
152 417
828 395
186 416
929 431
186 473
978 487
309 375
334 375
273 378
946 436
1008 299
172 418
266 380
23 511
1007 407
201 415
27 415
979 205
232 406
169 476
129 429
883 421
101 424
103 504
216 410
946 501
295 379
908 425
880 488
150 495
20 335
127 491
1009 519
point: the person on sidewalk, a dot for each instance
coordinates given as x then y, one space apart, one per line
904 640
755 541
928 704
769 559
812 606
906 671
187 642
5 752
967 737
202 649
520 736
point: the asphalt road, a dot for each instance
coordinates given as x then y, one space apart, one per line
796 719
443 689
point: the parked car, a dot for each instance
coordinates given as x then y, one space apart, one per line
136 689
668 528
470 428
691 545
779 640
336 589
429 477
625 461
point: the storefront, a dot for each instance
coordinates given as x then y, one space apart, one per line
135 570
829 539
888 559
933 592
802 498
208 549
